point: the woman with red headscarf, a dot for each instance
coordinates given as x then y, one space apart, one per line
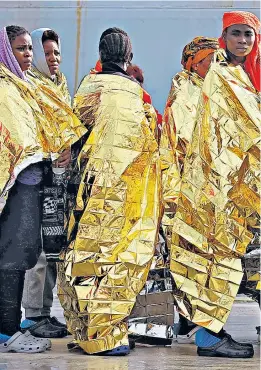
218 199
237 39
241 40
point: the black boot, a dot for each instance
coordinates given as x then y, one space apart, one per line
11 291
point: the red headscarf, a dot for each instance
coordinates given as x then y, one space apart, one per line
97 68
252 63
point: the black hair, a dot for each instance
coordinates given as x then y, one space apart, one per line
14 31
50 35
112 30
115 46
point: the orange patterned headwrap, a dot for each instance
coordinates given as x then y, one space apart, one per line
252 63
198 49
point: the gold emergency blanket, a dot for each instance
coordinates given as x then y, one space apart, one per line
179 121
181 108
34 123
114 228
219 197
59 84
153 314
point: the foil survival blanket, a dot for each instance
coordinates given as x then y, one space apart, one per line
219 197
35 124
59 84
114 227
179 121
153 313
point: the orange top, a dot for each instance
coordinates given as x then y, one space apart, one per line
252 63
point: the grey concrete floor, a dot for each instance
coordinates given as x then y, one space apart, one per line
241 324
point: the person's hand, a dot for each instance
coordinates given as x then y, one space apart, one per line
64 158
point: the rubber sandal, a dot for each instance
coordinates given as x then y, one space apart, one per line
241 344
21 343
226 348
188 338
56 322
44 329
118 351
43 341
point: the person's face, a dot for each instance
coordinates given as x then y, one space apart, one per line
52 56
201 68
23 51
239 39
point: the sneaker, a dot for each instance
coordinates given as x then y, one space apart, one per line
22 343
227 348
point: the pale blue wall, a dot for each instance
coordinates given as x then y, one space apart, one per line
158 30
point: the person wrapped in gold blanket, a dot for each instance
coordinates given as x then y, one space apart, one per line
218 198
179 119
31 130
41 279
114 226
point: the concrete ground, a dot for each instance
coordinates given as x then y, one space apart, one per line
241 324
